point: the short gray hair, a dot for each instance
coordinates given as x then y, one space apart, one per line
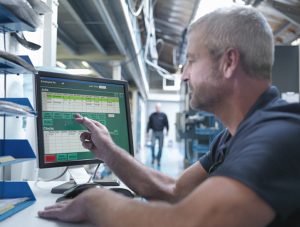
243 28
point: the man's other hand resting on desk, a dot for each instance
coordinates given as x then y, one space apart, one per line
84 207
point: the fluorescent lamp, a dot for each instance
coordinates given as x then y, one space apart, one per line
60 64
80 71
85 64
296 42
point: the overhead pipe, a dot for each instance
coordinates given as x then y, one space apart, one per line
151 43
138 12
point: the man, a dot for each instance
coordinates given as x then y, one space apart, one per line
251 175
157 122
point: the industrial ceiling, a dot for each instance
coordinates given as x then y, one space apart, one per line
111 34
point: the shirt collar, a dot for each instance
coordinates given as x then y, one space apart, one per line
268 96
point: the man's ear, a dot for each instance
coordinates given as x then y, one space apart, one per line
230 61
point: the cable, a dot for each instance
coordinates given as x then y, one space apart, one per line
55 178
149 24
161 42
138 12
95 172
161 71
4 41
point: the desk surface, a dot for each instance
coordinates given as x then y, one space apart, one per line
29 217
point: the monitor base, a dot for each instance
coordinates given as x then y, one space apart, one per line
60 189
110 182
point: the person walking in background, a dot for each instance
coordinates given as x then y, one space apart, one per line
157 122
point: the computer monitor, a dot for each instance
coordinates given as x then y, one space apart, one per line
58 97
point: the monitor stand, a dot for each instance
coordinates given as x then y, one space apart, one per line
60 189
108 178
107 182
80 176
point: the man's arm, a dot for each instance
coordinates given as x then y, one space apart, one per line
218 201
151 183
145 181
149 124
167 123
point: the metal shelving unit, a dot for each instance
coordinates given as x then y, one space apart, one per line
14 151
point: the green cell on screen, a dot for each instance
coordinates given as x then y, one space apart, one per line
103 122
47 122
58 115
47 114
72 156
85 155
101 117
68 116
62 157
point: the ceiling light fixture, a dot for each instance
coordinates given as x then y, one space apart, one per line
60 64
296 42
83 72
85 64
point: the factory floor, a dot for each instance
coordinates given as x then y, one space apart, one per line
171 161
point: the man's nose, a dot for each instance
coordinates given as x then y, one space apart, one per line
185 74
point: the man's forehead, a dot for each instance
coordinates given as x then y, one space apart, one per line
195 48
194 41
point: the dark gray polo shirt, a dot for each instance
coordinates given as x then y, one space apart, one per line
264 154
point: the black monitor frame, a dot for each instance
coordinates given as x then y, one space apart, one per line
40 134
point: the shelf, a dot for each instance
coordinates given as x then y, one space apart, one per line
20 150
13 151
20 101
10 23
206 131
11 190
200 148
10 67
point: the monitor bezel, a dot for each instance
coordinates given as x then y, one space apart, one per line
40 135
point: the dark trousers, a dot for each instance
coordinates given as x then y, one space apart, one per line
160 136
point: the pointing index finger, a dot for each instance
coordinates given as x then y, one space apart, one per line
88 123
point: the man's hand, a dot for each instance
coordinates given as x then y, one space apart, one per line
97 139
69 210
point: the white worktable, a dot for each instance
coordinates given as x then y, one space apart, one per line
28 217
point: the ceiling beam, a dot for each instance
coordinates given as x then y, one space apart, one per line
65 40
281 29
167 66
290 12
179 27
296 36
101 8
168 39
91 57
116 16
85 29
